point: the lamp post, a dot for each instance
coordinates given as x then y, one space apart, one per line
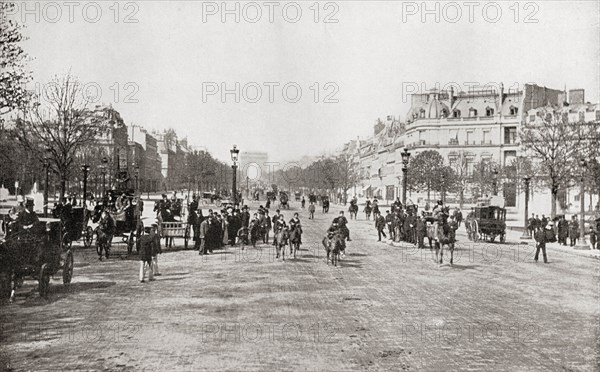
495 180
405 157
136 172
248 187
525 235
234 158
103 170
443 196
582 243
85 169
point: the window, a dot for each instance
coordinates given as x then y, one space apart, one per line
456 113
532 118
597 115
422 113
514 110
489 111
444 113
581 116
472 112
486 137
469 137
510 135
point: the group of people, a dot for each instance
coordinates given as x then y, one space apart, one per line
567 232
404 223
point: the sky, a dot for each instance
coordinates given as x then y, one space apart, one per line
164 64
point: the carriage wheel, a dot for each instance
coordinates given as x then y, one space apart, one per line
218 203
88 237
66 241
502 238
5 284
492 238
44 280
68 268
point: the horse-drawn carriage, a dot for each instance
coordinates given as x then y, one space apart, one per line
486 222
124 209
207 198
284 200
35 251
297 196
73 228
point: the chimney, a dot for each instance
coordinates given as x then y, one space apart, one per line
576 96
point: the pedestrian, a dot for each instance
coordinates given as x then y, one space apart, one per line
202 236
146 245
375 208
531 225
380 225
389 221
563 230
593 235
421 232
573 230
543 236
156 249
311 211
303 202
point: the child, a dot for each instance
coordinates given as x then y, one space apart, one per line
147 243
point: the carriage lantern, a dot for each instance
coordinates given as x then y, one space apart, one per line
234 157
405 156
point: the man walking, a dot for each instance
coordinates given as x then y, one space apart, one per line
380 225
573 230
311 211
542 236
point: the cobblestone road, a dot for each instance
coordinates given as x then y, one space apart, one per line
386 307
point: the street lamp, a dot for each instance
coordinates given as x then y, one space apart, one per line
103 170
85 169
495 180
234 158
525 235
405 157
582 243
136 172
443 178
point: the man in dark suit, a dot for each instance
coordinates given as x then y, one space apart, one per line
380 225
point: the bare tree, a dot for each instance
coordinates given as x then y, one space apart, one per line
553 142
59 126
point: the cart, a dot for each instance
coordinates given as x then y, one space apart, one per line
34 251
176 229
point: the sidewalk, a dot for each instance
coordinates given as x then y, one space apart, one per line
515 236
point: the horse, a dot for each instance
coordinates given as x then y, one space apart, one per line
446 235
333 246
368 209
281 238
353 210
295 240
255 232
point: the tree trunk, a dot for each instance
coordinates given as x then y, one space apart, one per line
428 193
461 199
554 201
63 185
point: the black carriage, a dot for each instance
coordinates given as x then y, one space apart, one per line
126 215
35 251
312 198
486 222
73 221
210 198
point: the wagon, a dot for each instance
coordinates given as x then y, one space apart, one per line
176 229
34 251
487 223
